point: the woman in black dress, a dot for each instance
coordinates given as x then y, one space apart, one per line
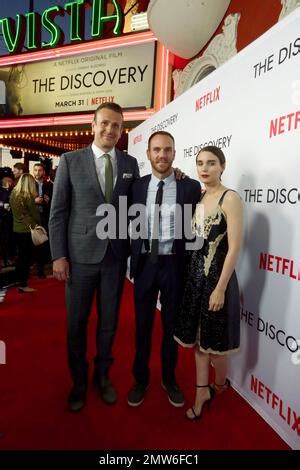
209 316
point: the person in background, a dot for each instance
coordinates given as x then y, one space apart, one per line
18 170
209 315
25 215
43 201
44 190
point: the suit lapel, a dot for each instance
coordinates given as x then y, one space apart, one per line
145 189
179 193
93 172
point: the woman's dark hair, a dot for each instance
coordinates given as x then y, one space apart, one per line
215 151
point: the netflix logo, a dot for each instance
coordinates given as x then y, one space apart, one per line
283 124
208 98
284 411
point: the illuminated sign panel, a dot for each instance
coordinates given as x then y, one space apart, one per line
11 77
31 25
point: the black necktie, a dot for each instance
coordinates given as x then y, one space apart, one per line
156 223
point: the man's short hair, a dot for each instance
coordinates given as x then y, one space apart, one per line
39 164
20 166
109 105
160 133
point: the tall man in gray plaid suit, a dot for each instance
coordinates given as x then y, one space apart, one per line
85 179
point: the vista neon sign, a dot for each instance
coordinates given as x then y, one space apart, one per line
31 24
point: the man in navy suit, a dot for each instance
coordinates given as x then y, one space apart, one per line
86 180
157 262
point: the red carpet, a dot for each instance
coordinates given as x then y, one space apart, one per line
34 385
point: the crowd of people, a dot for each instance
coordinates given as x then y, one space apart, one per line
25 202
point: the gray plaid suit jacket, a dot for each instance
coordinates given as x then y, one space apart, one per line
76 197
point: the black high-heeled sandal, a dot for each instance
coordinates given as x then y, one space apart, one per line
220 388
206 403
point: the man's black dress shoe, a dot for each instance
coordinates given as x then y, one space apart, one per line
76 400
136 394
106 390
175 395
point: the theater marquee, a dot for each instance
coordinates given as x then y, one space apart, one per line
80 83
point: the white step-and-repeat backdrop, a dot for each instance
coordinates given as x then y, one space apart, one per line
250 107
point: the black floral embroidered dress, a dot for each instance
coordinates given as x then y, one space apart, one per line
214 332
